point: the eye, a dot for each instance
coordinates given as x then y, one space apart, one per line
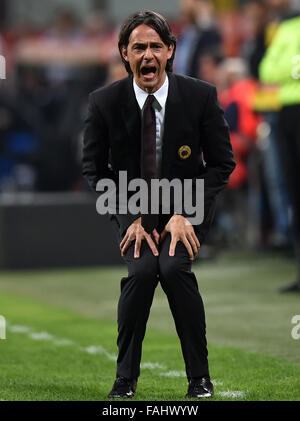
138 47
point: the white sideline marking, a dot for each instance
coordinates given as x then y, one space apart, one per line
217 383
174 373
232 394
45 336
18 328
63 342
152 366
92 349
98 349
41 336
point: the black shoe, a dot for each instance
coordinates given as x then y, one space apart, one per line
294 287
200 387
123 388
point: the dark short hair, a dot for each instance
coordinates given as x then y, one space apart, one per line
155 21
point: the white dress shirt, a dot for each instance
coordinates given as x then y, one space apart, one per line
159 105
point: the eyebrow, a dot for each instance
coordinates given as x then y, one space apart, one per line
143 44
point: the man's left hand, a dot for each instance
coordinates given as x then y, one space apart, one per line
181 230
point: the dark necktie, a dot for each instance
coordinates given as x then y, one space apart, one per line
148 158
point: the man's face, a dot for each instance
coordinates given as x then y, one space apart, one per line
147 55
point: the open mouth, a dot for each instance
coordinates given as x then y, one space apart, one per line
148 72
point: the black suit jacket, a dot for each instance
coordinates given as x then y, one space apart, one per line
193 117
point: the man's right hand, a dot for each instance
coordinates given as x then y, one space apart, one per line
136 232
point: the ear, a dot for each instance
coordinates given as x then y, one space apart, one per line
124 53
170 51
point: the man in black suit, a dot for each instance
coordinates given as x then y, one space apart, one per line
188 125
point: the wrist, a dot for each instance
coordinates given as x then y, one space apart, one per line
138 220
177 216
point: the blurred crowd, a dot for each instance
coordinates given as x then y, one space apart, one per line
249 49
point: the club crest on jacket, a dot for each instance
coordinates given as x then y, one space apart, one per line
184 151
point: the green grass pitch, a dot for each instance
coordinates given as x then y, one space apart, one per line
61 333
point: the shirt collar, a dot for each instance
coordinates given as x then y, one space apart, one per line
160 95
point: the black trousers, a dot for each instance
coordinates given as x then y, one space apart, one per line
289 126
137 290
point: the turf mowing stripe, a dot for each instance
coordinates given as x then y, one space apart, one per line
36 369
92 349
239 289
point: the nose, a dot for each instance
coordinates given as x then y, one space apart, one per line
148 54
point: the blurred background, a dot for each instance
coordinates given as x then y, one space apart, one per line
59 51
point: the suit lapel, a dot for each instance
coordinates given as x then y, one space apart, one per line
172 116
132 119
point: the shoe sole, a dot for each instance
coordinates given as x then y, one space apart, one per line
120 396
207 395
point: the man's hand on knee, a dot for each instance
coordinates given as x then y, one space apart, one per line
181 230
136 232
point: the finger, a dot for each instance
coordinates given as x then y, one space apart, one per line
123 241
196 240
125 238
188 247
124 249
137 247
193 243
155 235
151 245
193 234
173 246
126 246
